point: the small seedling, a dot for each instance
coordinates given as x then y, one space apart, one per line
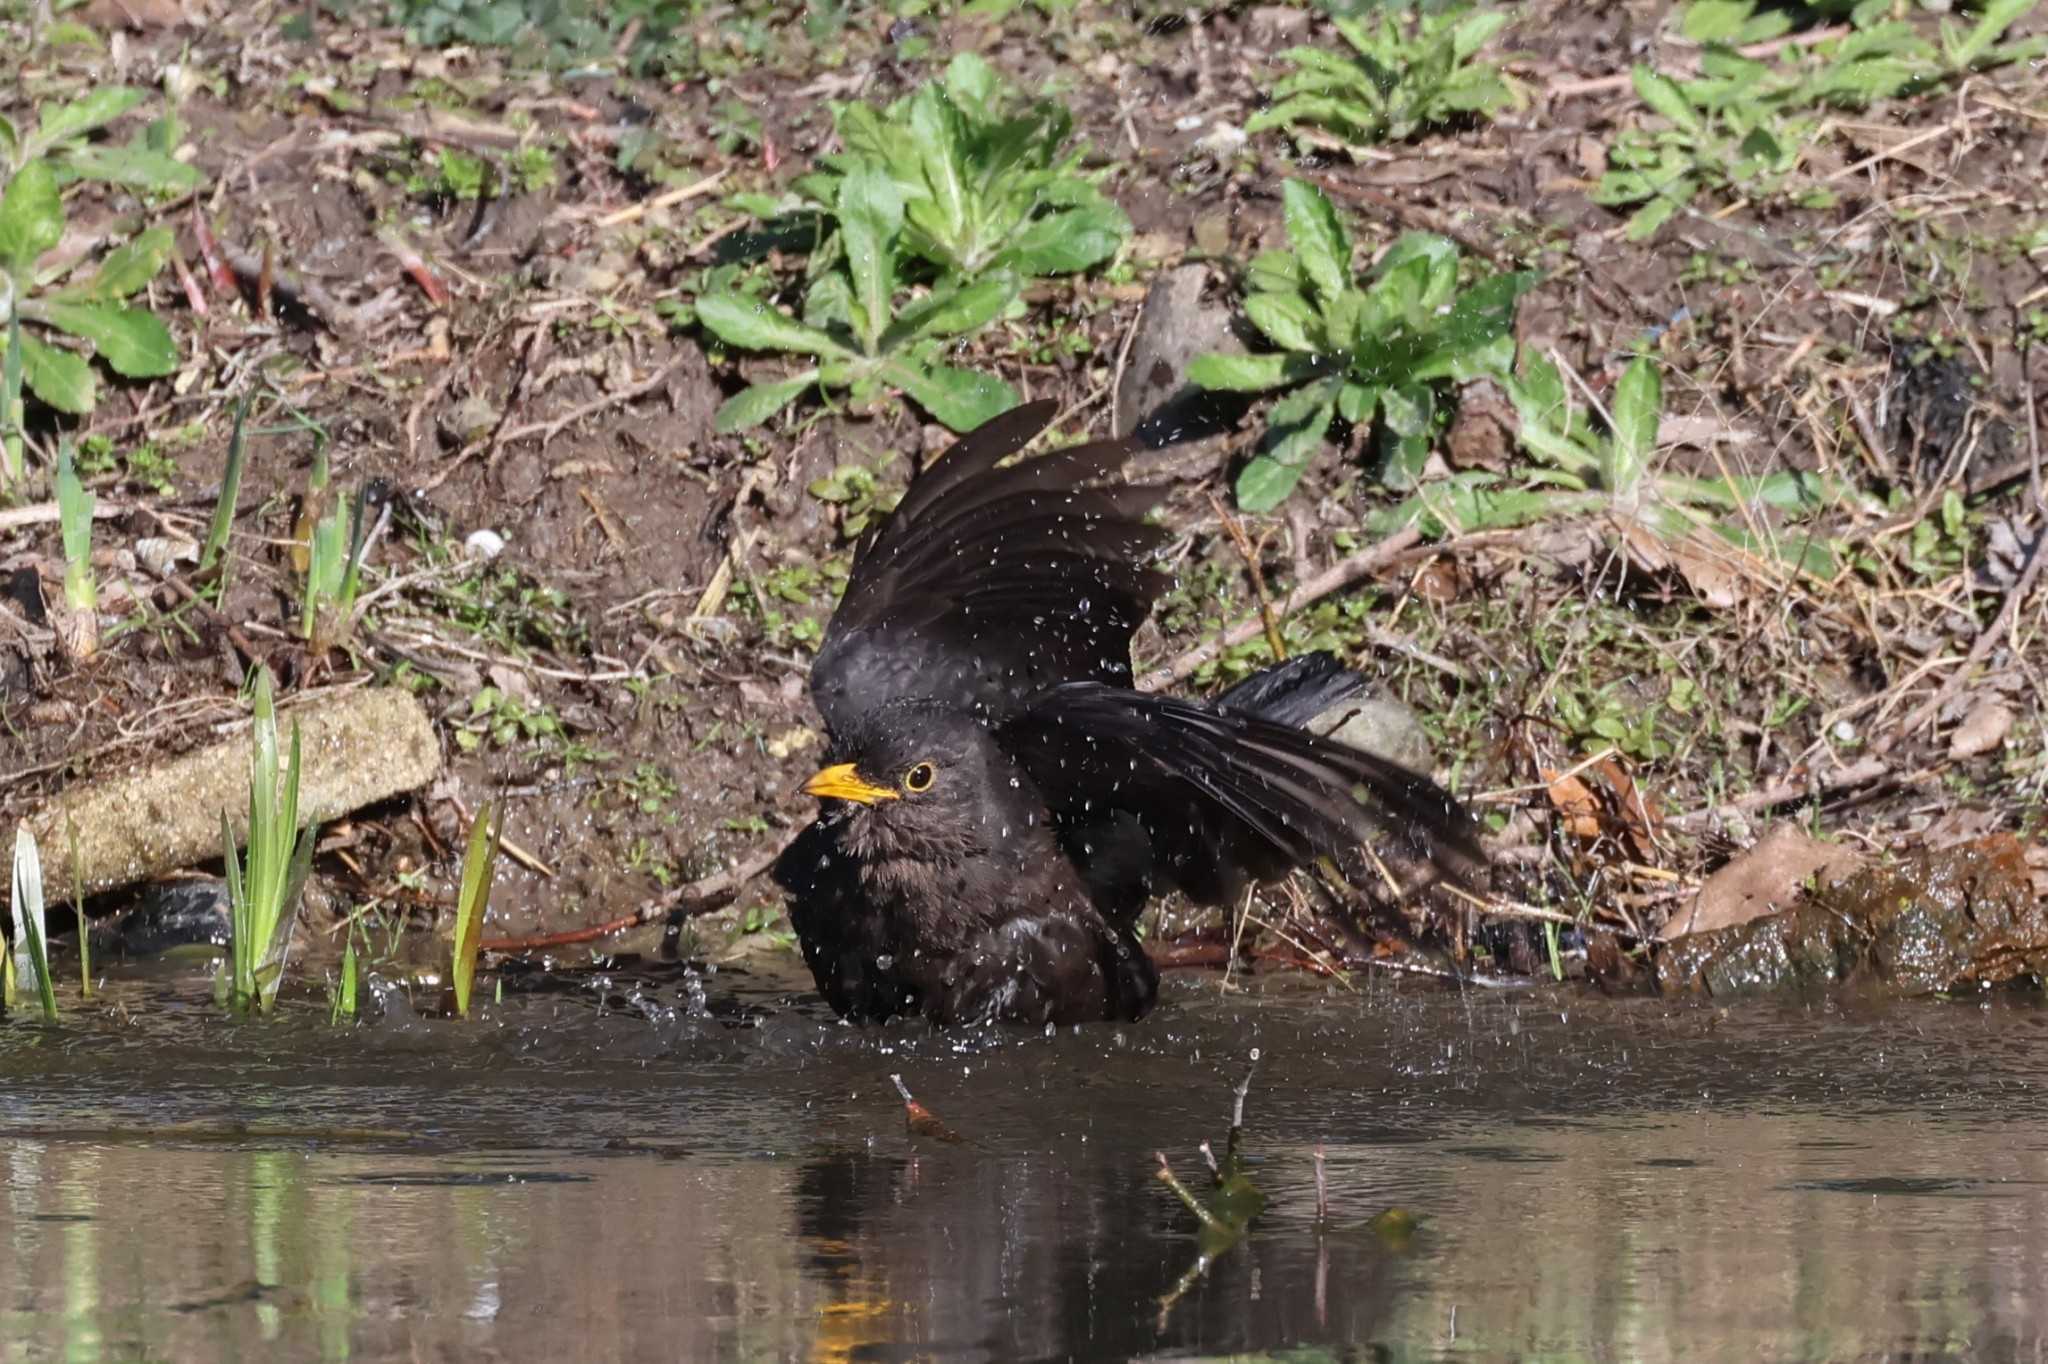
479 870
1403 74
335 545
78 911
31 954
343 1003
81 591
1370 351
223 522
264 901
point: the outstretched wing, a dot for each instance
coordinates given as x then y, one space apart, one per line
1224 794
991 582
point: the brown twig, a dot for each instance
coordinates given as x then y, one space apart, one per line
1335 578
1235 529
698 897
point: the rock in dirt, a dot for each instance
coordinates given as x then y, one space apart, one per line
1771 876
357 748
1174 326
1950 919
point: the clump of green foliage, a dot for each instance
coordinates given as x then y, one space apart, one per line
1404 73
90 307
28 956
264 887
926 227
1743 125
1374 351
1577 468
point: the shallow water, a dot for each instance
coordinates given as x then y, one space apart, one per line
573 1179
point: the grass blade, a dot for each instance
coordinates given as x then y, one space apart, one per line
479 870
32 946
230 490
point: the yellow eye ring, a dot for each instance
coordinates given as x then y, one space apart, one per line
920 778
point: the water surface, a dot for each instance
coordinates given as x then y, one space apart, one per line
609 1173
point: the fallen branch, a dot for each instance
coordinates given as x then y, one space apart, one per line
707 896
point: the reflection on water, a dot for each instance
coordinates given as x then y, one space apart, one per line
1634 1181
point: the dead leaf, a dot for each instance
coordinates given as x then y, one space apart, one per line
1769 877
1575 803
1982 730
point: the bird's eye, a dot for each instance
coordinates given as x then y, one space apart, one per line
919 778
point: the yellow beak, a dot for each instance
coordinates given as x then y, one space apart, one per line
843 783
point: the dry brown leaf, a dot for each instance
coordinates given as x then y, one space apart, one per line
1982 730
1769 877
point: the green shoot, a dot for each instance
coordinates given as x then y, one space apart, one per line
31 955
78 910
344 1002
74 514
479 869
264 895
230 490
13 464
335 550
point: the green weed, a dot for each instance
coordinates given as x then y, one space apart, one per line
1743 124
479 870
93 309
925 229
1377 350
1404 73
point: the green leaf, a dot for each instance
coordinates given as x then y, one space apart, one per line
31 216
950 312
1070 242
1655 214
750 407
960 399
754 325
1318 238
58 377
135 343
82 115
127 269
1638 405
1240 373
1666 97
870 215
1287 321
136 167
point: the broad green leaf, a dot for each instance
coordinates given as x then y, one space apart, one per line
136 167
1240 373
752 406
755 325
1666 97
1482 316
1638 405
1356 403
936 125
135 343
1072 241
870 215
1473 32
1318 238
960 399
1408 409
1655 214
950 312
1402 458
58 377
31 216
971 81
1287 321
84 114
127 269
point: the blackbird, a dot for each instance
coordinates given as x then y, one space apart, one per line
999 804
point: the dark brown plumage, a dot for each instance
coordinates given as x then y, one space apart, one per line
999 805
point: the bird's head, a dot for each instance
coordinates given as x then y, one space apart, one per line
921 780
